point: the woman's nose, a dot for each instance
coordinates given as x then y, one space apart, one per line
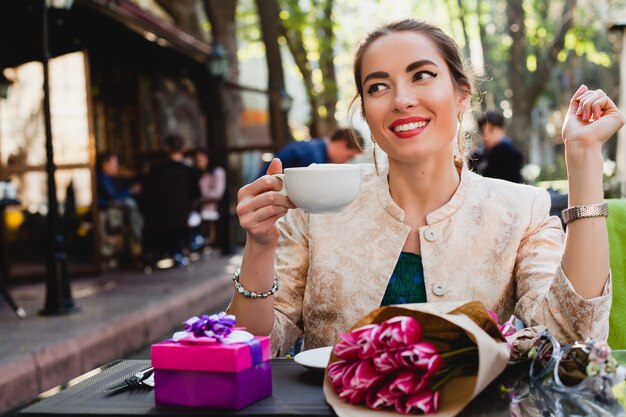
405 98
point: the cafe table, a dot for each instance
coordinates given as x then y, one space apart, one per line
297 391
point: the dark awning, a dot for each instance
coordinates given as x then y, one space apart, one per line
151 27
21 29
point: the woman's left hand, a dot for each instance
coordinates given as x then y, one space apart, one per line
591 120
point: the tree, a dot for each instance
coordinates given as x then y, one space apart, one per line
268 11
535 54
221 16
310 37
526 81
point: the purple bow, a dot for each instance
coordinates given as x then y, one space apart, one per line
216 325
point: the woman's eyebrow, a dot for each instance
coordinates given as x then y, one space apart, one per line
409 68
377 74
418 64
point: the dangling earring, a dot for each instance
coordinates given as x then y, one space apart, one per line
458 159
374 153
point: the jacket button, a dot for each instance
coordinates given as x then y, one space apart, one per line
430 235
439 289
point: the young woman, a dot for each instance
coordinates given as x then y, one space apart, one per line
424 228
212 184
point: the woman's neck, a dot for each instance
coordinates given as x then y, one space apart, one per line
423 188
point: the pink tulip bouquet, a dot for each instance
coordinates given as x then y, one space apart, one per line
400 360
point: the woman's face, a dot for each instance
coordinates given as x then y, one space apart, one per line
201 161
410 101
111 166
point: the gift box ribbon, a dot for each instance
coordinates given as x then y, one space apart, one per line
256 353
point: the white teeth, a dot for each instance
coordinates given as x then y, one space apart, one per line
409 126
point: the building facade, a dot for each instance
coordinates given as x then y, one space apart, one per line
121 78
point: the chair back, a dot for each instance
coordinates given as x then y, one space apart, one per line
616 223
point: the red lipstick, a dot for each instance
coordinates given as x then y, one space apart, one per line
406 120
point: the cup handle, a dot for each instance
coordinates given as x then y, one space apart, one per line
281 177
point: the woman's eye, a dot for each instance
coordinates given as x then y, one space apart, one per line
375 88
424 75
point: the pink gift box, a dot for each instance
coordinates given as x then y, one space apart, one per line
212 375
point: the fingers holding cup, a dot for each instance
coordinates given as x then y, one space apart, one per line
260 205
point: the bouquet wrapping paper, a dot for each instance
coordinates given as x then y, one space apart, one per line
450 321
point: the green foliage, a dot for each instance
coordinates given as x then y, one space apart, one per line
589 54
553 172
303 20
310 34
248 31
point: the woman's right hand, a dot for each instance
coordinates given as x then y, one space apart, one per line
260 205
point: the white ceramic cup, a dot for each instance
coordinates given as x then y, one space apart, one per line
321 188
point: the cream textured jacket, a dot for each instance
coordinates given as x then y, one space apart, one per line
493 242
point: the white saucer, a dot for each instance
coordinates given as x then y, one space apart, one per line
314 358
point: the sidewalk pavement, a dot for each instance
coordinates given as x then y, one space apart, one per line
120 313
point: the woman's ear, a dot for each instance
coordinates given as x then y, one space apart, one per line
464 101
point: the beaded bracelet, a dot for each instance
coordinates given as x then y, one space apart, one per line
251 294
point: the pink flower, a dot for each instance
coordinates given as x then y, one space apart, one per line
356 343
386 361
381 398
347 348
408 382
397 331
359 375
336 370
422 356
365 376
353 396
341 373
424 402
388 366
507 328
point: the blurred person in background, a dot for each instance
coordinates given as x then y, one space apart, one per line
116 201
170 191
212 185
175 162
110 186
341 147
499 158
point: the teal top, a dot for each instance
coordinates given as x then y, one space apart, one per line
407 281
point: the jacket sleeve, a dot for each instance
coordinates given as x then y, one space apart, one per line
544 293
291 266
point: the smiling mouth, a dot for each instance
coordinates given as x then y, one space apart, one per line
409 126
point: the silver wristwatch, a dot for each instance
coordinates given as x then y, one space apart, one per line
588 210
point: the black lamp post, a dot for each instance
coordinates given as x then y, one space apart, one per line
285 102
218 64
58 292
